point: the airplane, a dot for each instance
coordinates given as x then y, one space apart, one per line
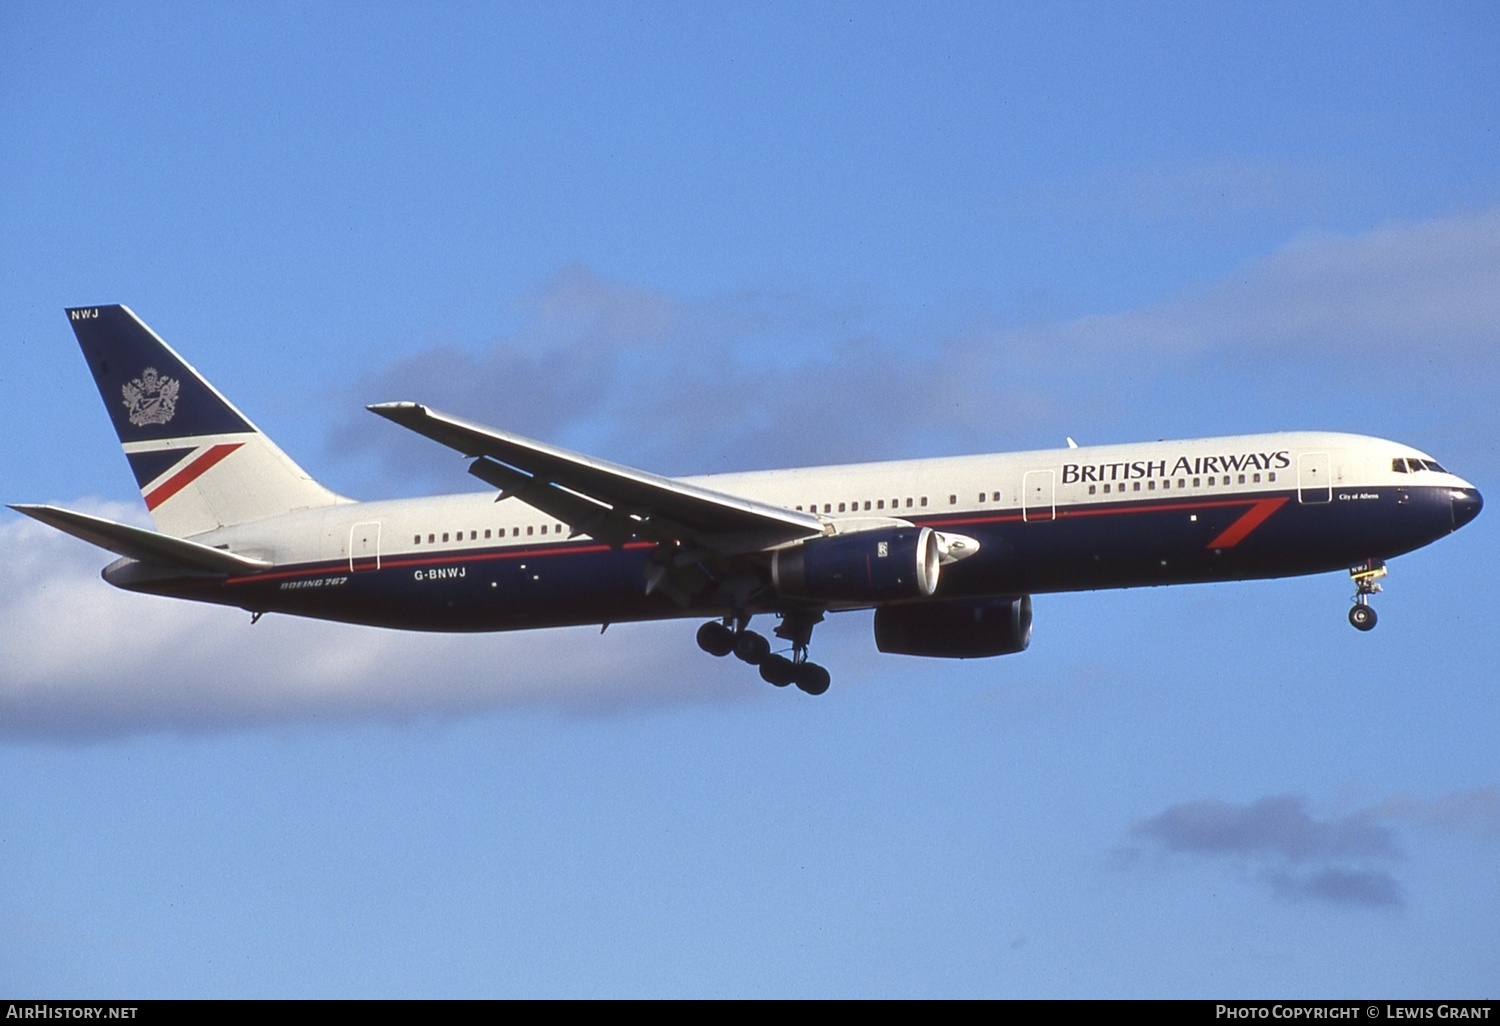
948 552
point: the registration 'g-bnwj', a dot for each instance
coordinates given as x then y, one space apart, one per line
946 551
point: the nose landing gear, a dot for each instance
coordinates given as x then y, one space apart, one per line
720 638
1366 583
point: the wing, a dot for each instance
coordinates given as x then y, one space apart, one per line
605 500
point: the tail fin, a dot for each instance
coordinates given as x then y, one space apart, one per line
200 463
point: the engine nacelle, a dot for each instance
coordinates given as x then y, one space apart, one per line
865 566
957 629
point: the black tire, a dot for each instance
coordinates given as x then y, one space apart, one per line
777 670
716 639
812 678
751 647
1362 617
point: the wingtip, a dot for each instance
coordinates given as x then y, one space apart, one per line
389 409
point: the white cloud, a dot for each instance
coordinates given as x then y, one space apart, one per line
80 659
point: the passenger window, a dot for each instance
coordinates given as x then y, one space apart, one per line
997 496
841 507
880 504
1092 488
1136 487
529 530
924 500
953 500
1197 482
908 502
445 536
1151 485
417 540
1166 485
430 539
827 507
1106 489
1271 476
981 496
1255 479
1242 479
867 504
544 528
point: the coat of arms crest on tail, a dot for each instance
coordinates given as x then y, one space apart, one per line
150 398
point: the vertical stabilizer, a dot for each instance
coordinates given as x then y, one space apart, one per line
200 463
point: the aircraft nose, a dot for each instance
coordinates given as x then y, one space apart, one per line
1467 503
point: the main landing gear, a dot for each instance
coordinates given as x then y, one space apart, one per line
1366 583
731 635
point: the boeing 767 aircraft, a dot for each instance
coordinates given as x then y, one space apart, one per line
946 551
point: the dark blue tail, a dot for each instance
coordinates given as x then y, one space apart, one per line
200 463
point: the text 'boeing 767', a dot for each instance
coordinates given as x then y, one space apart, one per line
948 552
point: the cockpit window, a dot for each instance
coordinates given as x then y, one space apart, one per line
1411 465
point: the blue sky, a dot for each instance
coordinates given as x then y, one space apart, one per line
693 240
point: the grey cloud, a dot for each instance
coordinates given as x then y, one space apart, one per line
753 380
732 382
1276 840
1374 888
1278 827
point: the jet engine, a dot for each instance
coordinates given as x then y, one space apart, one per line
865 566
955 629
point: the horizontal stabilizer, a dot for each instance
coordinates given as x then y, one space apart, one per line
137 543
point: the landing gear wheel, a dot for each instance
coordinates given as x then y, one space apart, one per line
1366 578
751 647
716 639
777 670
811 678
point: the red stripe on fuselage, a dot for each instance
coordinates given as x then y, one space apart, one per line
1260 509
423 559
188 474
1101 510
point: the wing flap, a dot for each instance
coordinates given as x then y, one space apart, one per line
630 500
582 514
138 543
